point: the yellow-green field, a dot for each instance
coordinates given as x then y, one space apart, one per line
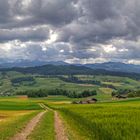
14 115
103 121
13 121
114 120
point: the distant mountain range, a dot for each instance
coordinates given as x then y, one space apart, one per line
54 70
116 66
27 63
108 66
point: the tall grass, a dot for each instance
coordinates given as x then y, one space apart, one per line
104 121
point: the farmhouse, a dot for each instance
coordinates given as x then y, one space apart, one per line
87 101
120 97
91 101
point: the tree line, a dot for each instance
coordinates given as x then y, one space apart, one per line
126 92
20 80
68 93
74 79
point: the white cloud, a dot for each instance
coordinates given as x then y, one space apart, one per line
109 48
80 31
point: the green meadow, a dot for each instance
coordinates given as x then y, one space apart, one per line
103 121
107 85
108 119
14 115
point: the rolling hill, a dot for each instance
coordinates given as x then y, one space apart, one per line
70 70
116 66
109 66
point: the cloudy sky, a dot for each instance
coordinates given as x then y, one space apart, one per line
75 31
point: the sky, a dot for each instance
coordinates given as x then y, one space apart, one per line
74 31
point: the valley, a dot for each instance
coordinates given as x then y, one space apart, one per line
81 106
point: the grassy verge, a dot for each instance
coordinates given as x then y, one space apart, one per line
45 128
74 128
13 124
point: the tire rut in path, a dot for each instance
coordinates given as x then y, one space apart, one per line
29 128
45 107
59 128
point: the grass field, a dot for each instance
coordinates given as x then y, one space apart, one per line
15 114
13 121
44 82
45 128
17 104
105 121
102 121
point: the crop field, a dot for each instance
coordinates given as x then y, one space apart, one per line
14 115
104 121
13 121
17 104
101 121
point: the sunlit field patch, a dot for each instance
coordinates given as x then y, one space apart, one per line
106 90
13 121
8 115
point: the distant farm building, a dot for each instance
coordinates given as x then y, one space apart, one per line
120 97
22 96
88 101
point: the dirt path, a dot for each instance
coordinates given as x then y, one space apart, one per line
29 128
45 107
59 128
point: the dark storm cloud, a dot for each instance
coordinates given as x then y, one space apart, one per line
37 34
37 12
53 12
100 21
85 26
16 14
5 15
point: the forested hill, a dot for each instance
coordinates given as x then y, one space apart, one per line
69 70
53 70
